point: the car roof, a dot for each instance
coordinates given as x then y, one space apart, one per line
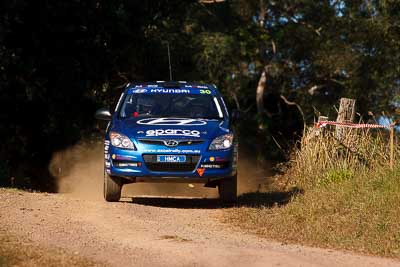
172 86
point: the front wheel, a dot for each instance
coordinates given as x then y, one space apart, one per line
227 189
112 188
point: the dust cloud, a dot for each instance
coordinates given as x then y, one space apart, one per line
253 175
79 172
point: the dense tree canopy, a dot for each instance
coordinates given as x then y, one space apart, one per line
60 60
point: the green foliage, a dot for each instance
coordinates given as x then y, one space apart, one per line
217 51
337 176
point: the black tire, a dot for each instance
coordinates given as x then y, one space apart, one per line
112 188
227 189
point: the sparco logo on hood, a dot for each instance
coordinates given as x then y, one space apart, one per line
172 121
174 132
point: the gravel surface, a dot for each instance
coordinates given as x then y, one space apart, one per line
154 232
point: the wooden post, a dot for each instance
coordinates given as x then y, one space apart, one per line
346 114
321 130
322 118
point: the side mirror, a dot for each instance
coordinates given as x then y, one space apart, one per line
234 116
103 114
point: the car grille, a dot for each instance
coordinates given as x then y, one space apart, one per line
161 142
188 166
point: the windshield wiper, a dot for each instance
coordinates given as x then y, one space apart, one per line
210 118
141 116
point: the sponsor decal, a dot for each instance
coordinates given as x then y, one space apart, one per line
106 148
200 171
197 86
173 132
171 158
171 121
170 91
179 151
113 156
139 91
211 166
128 164
212 159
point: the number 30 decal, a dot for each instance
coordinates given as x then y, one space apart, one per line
205 92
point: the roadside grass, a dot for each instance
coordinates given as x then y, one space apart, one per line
16 251
337 194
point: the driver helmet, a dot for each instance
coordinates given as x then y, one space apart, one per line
145 104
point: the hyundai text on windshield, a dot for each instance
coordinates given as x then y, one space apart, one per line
170 132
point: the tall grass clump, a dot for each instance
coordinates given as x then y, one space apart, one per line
324 157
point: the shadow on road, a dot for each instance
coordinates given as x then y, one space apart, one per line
268 199
179 203
256 199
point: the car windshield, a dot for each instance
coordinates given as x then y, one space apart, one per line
171 105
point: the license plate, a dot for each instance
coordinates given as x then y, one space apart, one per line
171 158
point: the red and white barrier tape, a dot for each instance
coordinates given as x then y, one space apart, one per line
321 124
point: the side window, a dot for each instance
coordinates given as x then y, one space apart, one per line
128 106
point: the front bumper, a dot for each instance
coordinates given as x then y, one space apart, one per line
134 165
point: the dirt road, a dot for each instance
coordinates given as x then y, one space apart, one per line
153 232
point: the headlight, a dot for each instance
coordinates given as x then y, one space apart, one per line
121 141
222 142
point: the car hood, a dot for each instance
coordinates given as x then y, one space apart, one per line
171 128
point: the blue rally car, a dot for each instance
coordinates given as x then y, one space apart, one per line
170 132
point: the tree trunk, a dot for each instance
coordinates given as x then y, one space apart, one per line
236 99
260 96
